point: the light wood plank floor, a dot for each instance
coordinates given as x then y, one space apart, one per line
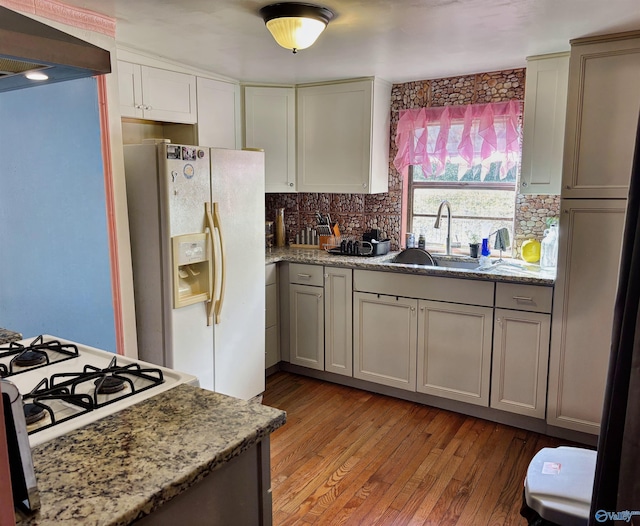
350 457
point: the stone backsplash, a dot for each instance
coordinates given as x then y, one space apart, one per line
358 213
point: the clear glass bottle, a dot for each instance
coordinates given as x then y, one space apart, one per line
549 248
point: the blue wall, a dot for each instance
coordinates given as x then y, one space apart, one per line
54 254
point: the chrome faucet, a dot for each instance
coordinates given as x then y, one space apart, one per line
437 225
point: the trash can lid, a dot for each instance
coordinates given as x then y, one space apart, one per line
559 484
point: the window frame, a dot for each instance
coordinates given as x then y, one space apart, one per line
451 185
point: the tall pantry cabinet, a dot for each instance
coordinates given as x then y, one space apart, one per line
602 116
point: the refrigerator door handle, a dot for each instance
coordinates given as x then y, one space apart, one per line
210 230
220 270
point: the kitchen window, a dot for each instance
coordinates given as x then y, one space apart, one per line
468 155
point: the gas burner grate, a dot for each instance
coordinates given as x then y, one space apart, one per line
138 379
51 399
38 353
67 395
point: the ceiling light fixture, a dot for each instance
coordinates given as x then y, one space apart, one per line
295 26
36 75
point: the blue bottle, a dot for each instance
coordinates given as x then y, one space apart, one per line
485 247
484 257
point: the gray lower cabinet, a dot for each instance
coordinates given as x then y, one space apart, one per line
338 321
583 306
520 362
306 326
320 318
384 339
489 347
272 343
454 351
521 348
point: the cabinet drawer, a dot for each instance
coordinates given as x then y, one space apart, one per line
270 274
451 290
524 297
306 274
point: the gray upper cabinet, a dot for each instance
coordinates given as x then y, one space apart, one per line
156 94
343 137
270 124
330 137
545 104
602 116
218 113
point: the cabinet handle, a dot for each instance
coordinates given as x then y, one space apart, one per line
413 309
319 296
304 276
290 184
522 298
568 187
499 320
524 184
421 309
364 185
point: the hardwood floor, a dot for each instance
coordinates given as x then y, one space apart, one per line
351 457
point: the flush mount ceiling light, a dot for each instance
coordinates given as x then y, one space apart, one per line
36 75
295 26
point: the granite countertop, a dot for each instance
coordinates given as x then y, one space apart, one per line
512 271
7 336
128 464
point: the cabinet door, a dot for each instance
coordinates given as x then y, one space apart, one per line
218 113
520 359
306 310
130 89
272 348
270 124
338 319
168 96
545 107
382 355
337 148
602 117
272 327
584 299
454 351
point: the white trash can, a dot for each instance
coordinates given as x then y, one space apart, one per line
558 486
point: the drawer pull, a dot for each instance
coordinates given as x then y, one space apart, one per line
523 298
304 276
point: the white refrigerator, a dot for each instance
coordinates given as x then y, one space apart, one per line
196 219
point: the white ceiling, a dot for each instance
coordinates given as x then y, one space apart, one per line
397 40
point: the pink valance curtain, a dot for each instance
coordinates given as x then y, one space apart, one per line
471 135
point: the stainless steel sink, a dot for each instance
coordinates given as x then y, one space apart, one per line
414 256
453 263
418 256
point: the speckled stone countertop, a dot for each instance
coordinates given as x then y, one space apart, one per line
7 336
512 271
127 465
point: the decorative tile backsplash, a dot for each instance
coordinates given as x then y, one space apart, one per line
358 213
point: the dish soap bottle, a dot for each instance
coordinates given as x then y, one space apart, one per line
422 243
485 262
549 248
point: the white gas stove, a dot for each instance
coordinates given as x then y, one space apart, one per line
66 385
